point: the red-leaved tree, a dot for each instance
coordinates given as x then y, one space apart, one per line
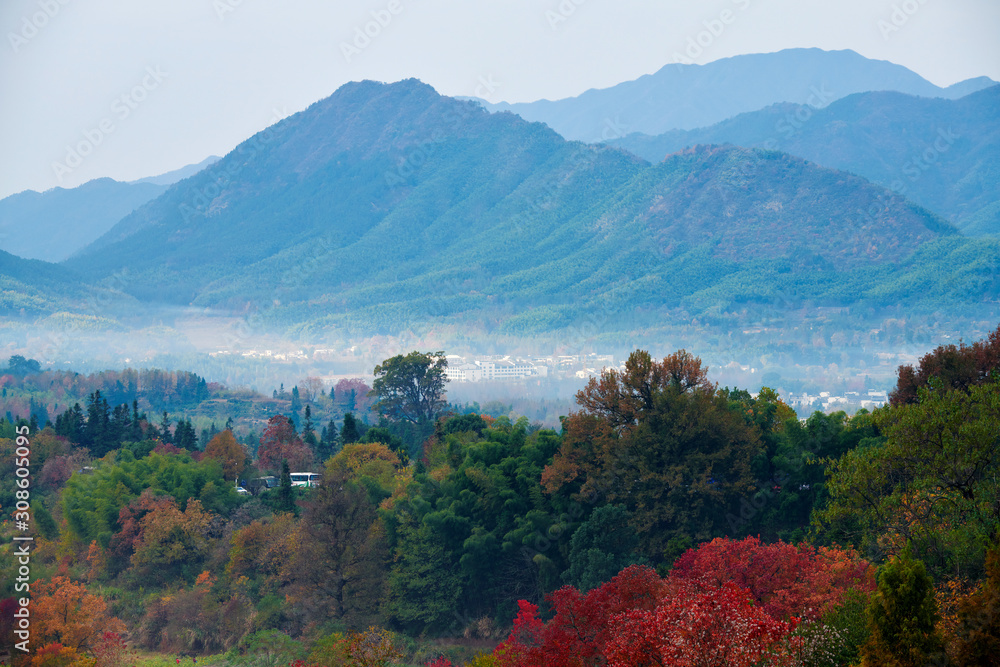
582 625
698 627
785 580
280 442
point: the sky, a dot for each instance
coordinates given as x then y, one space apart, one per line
135 88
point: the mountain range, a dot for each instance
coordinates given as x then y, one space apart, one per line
387 206
942 154
687 96
54 224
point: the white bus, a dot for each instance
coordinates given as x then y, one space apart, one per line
307 479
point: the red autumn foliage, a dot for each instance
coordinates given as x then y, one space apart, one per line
280 442
440 662
697 627
582 624
785 580
957 367
725 603
130 518
112 651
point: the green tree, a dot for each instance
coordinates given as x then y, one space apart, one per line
308 434
661 440
165 428
423 589
18 365
386 437
285 500
902 617
410 387
933 483
494 534
349 431
601 548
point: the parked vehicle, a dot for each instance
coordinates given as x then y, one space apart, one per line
306 479
259 485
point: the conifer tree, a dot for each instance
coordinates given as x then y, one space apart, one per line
349 432
286 502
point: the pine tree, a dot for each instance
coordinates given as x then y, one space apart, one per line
165 428
136 426
349 432
308 435
329 443
286 501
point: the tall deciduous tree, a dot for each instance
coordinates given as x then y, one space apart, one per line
933 484
411 387
955 367
64 612
231 454
280 442
339 568
660 440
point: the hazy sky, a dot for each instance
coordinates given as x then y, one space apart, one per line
154 85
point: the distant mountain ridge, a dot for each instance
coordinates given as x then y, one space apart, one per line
387 206
54 224
680 96
171 177
942 154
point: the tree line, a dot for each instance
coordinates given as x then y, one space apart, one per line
664 502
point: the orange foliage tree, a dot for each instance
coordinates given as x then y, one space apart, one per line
65 613
227 451
173 543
